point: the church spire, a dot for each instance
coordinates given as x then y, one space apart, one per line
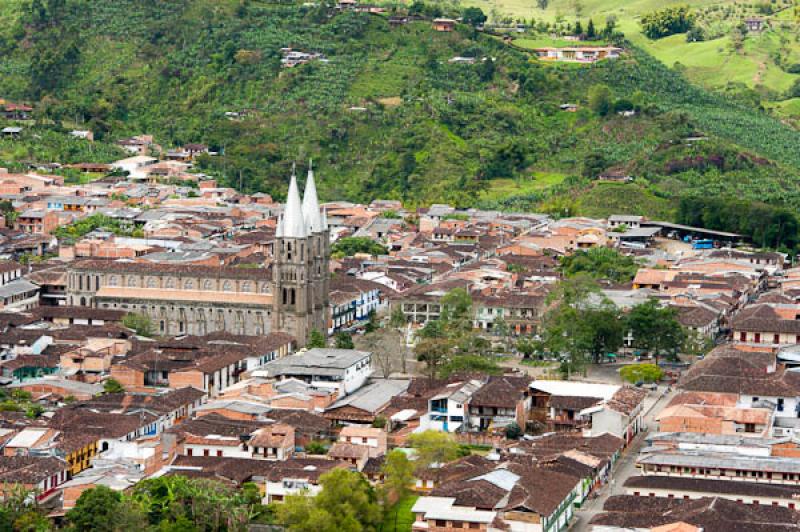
292 224
311 212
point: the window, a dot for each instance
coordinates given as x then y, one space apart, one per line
441 523
742 336
780 404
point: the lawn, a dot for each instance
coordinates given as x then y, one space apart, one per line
399 517
500 189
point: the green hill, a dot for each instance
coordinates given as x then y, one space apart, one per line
763 67
385 114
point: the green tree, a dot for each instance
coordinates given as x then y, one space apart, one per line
398 473
433 447
582 326
513 431
593 165
316 339
352 245
527 346
346 503
591 32
636 373
344 341
667 21
316 447
474 16
140 323
600 263
98 510
113 386
656 329
600 99
577 29
468 363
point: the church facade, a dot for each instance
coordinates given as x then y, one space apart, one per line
289 295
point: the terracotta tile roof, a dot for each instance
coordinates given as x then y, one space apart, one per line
710 514
501 391
29 470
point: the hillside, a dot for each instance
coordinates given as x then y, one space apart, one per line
760 66
385 114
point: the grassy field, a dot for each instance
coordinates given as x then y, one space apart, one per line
504 188
399 518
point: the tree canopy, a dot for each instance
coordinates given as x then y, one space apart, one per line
600 263
656 329
346 503
636 373
352 245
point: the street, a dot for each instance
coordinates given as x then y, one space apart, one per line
626 465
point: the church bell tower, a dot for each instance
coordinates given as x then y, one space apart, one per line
300 271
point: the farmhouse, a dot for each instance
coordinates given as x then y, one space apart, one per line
578 54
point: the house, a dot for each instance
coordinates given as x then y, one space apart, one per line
616 175
622 513
17 111
502 400
343 370
374 439
136 166
558 404
629 221
44 474
621 415
12 132
511 496
297 475
448 410
742 492
754 24
579 54
365 404
767 325
214 435
444 24
37 221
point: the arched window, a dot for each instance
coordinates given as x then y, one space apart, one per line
208 285
132 282
113 280
227 286
246 287
152 282
265 288
170 283
188 284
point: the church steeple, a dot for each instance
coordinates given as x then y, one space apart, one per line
292 224
311 212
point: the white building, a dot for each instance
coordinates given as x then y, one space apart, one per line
342 370
448 410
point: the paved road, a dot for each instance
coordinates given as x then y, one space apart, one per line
625 466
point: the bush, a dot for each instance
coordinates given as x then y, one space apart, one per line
641 373
667 21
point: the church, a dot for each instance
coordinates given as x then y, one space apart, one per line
289 295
